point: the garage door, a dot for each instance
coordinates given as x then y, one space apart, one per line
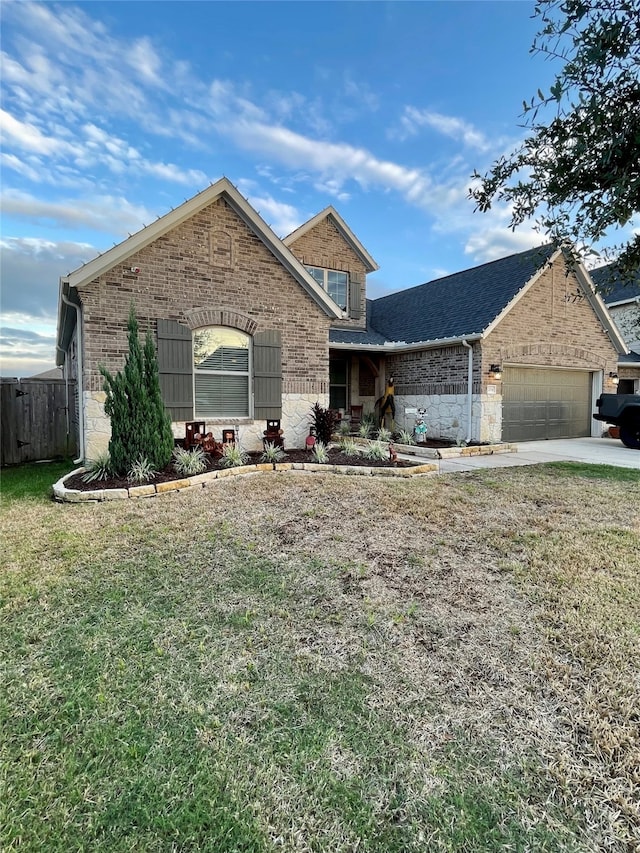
539 403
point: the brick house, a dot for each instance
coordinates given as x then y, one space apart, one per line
251 327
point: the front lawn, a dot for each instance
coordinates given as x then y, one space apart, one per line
313 663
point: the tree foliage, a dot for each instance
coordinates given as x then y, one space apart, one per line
140 425
579 170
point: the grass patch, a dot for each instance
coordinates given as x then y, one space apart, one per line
33 481
313 664
595 472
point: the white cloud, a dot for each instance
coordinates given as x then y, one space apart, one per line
142 57
10 161
489 244
282 218
29 137
24 352
455 128
110 214
31 269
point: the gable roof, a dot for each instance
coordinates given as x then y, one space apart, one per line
458 306
223 187
346 233
613 289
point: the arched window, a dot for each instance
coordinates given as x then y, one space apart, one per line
221 371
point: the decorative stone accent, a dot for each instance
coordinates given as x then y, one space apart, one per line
64 495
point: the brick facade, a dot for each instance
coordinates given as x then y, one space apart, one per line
552 325
176 279
185 276
324 246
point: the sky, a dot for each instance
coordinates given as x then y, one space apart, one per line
113 113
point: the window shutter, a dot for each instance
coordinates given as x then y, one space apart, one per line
267 375
175 366
355 302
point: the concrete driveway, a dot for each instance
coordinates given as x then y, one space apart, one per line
603 451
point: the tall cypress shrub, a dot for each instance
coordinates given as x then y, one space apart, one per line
159 417
140 426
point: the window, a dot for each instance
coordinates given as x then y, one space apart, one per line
180 370
221 372
334 282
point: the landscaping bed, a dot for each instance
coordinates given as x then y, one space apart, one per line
168 474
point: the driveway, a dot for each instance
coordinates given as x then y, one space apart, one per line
603 451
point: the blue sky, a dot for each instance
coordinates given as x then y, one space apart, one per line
115 112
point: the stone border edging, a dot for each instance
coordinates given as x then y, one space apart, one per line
446 452
64 495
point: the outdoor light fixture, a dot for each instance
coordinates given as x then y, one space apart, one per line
495 371
614 378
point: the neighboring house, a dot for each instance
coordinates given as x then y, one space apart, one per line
53 373
623 302
250 327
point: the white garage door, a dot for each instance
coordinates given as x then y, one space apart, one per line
539 403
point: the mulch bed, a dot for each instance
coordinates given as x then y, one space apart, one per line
169 473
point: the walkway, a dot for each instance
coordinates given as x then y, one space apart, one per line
603 451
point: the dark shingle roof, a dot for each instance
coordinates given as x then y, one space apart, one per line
360 337
612 288
459 305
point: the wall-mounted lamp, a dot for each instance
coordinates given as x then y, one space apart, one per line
614 378
495 371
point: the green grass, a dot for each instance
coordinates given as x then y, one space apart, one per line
225 670
596 472
33 481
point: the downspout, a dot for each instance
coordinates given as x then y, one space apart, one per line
66 391
67 301
469 389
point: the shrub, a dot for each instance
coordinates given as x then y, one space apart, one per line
233 456
364 430
384 434
141 471
322 421
140 425
349 447
272 453
99 468
406 437
320 453
376 450
344 428
189 462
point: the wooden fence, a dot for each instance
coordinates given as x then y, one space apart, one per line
34 420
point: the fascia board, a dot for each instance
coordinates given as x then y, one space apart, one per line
630 301
600 309
343 228
402 346
522 292
91 270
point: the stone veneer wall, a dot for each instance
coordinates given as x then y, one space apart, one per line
296 409
447 416
212 261
627 319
